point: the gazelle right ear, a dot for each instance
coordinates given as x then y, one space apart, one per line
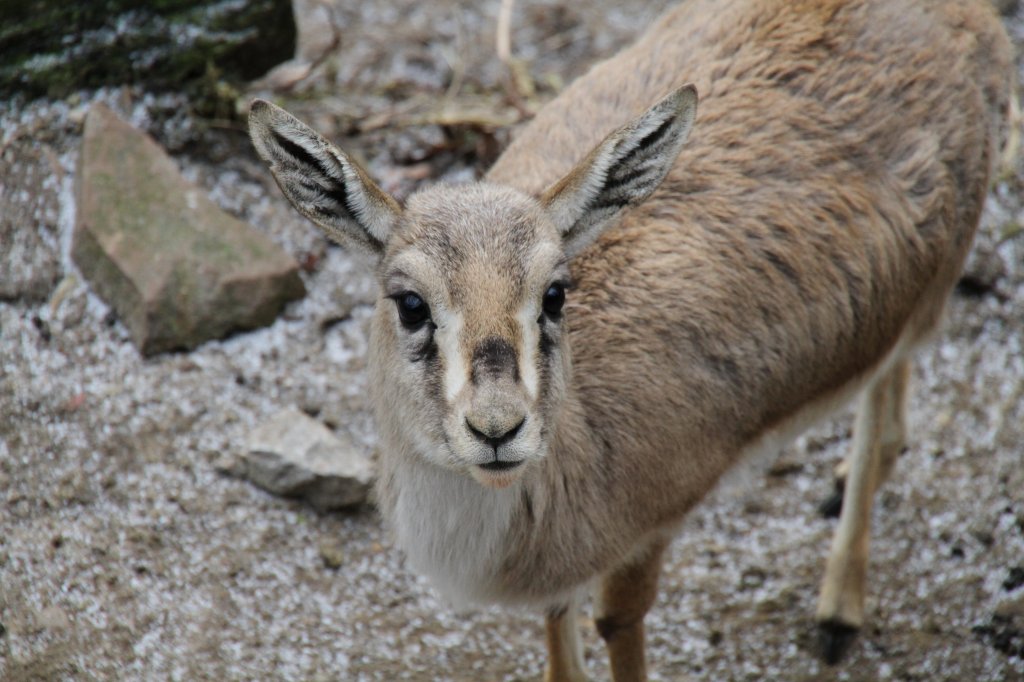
321 181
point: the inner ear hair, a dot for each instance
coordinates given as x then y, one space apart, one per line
324 183
622 170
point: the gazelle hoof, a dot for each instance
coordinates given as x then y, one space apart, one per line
835 639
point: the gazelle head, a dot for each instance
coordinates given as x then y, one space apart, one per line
470 357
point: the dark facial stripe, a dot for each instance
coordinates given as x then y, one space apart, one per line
546 343
427 352
430 360
493 357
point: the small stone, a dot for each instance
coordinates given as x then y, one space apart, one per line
783 467
228 465
332 553
294 455
753 507
52 618
752 578
787 598
1012 608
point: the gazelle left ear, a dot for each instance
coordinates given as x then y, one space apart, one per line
623 170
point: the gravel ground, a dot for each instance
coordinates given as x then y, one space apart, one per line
126 554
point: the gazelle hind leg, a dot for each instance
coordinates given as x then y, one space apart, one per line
565 651
894 428
879 436
624 598
894 439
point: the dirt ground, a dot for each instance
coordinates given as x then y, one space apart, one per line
127 554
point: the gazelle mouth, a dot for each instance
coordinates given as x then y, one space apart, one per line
497 465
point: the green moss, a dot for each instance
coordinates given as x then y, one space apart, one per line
52 47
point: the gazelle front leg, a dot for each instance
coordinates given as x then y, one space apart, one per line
625 597
879 437
565 651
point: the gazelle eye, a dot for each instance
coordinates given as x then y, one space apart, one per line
412 310
554 299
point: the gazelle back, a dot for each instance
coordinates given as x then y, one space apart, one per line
566 357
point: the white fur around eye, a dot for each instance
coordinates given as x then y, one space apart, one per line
528 355
456 372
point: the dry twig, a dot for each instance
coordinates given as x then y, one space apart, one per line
520 87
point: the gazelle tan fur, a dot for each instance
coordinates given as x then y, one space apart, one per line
717 299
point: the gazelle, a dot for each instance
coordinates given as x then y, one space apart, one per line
567 356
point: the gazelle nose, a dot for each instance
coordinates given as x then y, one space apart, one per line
495 437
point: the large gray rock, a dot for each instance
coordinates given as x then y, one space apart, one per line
53 47
176 268
294 455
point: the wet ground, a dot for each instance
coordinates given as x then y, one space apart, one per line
125 553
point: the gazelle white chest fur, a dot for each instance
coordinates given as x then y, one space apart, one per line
567 356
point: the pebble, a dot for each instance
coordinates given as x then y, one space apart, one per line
52 618
332 553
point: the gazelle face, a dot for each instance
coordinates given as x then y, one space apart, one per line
469 356
468 332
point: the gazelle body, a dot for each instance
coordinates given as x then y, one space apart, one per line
794 254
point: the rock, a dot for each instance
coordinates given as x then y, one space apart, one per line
752 578
294 455
53 47
1012 608
52 618
176 268
29 209
332 553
